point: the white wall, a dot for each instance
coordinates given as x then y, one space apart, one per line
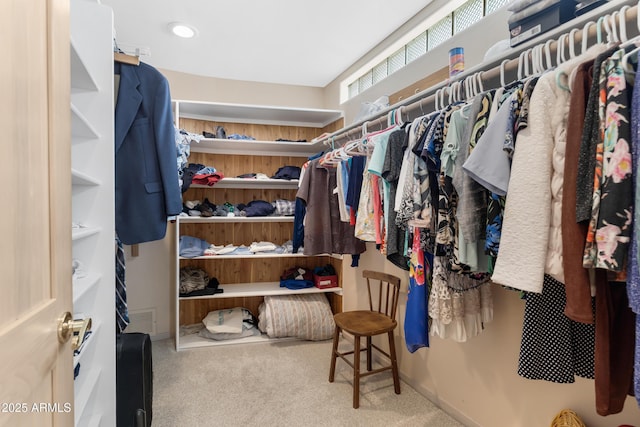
477 381
198 88
493 28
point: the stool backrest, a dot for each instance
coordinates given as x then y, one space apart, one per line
383 290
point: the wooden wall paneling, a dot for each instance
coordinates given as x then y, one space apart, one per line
222 195
246 270
333 127
425 83
193 311
232 165
258 131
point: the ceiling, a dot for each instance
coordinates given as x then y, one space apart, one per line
298 42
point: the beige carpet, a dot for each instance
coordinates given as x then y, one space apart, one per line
276 384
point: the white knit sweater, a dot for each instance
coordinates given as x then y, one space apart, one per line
531 242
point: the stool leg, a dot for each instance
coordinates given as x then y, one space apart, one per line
334 352
356 372
369 364
394 363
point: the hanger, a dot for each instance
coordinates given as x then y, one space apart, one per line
547 55
523 64
467 94
622 23
614 26
560 58
632 54
126 59
502 64
391 118
479 81
364 129
585 36
572 43
399 120
120 56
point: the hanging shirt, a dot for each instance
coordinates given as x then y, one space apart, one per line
324 232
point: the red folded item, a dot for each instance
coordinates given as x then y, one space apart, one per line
207 179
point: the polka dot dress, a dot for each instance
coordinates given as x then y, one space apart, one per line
554 348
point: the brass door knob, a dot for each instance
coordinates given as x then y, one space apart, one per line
64 327
68 327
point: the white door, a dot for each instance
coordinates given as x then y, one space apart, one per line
36 378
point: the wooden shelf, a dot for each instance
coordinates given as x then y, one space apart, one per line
257 148
200 219
259 255
249 183
245 290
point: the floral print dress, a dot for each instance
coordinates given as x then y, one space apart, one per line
610 225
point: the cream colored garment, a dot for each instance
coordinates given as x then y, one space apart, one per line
531 242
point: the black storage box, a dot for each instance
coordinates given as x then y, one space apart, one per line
541 22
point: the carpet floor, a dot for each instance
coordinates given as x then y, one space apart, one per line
276 384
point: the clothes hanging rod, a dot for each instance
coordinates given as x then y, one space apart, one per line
489 70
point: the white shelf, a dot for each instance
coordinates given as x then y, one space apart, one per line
195 341
256 148
200 219
81 78
81 233
92 196
88 378
249 183
257 255
258 114
81 178
260 289
249 149
83 285
81 127
95 327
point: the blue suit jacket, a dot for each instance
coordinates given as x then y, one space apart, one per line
146 171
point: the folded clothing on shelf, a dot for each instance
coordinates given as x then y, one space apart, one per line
287 172
262 247
296 278
259 208
191 247
284 207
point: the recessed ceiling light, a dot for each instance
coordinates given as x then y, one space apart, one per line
182 30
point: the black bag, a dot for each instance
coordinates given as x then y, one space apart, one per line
134 380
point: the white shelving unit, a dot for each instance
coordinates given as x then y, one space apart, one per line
236 290
93 208
244 290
